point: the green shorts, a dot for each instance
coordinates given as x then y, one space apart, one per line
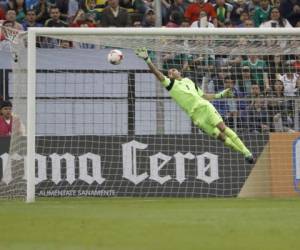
207 118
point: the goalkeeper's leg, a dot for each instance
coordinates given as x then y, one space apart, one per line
215 132
212 124
229 133
229 138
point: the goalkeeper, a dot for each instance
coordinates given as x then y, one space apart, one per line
196 104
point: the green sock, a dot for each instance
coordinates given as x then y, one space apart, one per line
229 143
239 145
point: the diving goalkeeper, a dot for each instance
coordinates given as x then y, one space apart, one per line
196 104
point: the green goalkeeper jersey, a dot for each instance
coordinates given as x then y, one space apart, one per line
186 94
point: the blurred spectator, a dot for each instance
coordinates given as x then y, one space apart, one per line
291 82
175 60
20 8
114 15
275 20
177 6
256 113
8 121
202 70
259 73
41 10
99 5
149 18
219 79
255 91
239 8
64 44
262 13
93 12
11 17
296 63
73 7
223 11
229 109
290 9
30 20
280 110
242 17
165 7
82 19
252 6
202 22
276 3
140 6
175 20
55 20
245 83
5 44
63 6
193 10
257 117
247 23
276 65
5 118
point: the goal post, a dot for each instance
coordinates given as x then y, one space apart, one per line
31 118
108 130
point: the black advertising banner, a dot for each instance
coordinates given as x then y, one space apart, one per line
158 166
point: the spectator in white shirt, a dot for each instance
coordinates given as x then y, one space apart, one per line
291 82
276 20
202 22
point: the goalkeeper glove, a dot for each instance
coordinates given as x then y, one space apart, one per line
226 93
142 53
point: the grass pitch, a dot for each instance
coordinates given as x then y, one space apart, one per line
151 224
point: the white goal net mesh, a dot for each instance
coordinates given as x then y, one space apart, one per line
113 130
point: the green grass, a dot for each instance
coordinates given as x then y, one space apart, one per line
151 224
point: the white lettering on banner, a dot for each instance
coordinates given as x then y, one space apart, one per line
211 167
7 166
60 192
207 166
42 168
180 165
129 161
155 167
56 167
96 168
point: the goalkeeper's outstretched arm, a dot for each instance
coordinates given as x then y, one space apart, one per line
226 93
142 53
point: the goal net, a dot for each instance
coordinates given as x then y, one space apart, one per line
97 129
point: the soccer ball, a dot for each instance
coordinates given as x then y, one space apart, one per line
115 56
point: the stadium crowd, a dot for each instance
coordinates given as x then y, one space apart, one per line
250 76
141 13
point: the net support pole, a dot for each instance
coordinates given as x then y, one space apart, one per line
31 87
